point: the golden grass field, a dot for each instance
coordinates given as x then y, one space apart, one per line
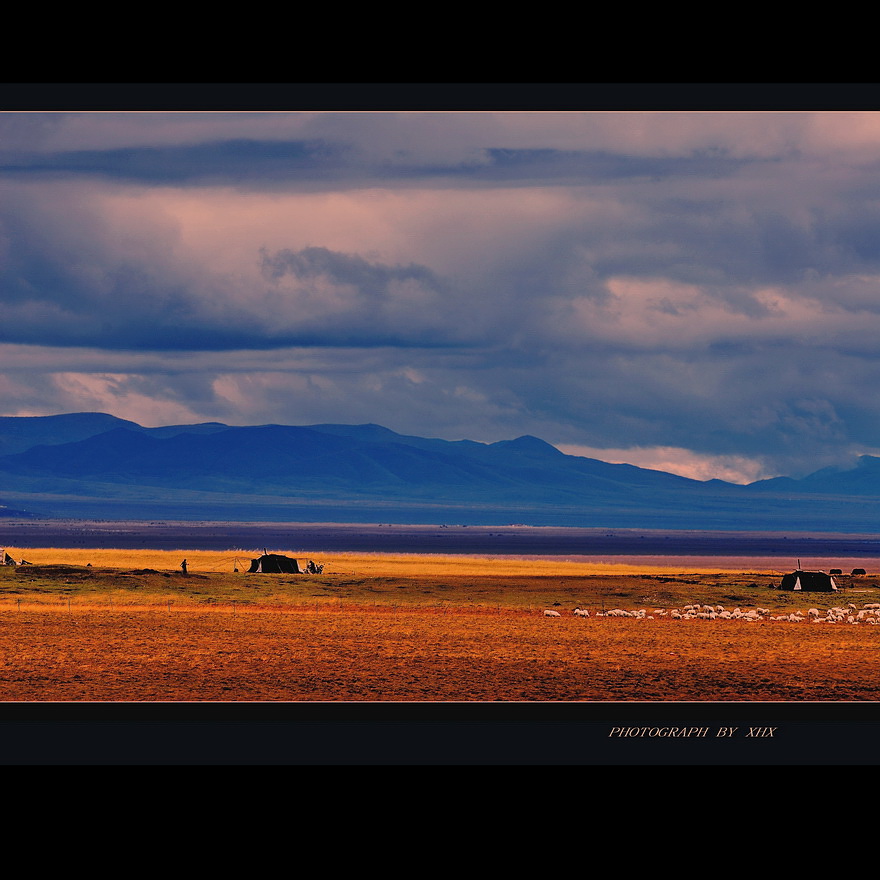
128 625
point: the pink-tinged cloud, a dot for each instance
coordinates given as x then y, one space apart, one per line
684 462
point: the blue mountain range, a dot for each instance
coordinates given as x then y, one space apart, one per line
94 465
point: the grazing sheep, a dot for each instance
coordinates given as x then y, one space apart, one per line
549 613
870 613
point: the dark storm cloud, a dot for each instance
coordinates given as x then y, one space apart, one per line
228 162
371 279
572 165
296 162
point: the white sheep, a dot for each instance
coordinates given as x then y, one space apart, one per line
549 613
581 612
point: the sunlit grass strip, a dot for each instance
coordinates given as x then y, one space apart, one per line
320 607
361 564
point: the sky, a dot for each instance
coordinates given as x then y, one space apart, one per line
691 290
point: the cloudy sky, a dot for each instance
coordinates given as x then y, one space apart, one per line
693 290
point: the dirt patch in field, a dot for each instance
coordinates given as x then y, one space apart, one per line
350 653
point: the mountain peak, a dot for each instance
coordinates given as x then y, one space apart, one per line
529 445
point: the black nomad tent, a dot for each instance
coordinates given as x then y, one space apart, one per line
809 581
272 563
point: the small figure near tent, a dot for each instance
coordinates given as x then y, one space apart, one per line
312 568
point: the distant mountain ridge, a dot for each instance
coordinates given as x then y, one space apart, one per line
19 433
282 458
77 464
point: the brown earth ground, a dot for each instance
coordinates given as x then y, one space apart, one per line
133 627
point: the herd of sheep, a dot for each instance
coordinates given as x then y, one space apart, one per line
869 613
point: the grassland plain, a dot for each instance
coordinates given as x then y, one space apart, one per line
130 625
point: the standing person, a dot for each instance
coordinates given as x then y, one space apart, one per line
183 566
